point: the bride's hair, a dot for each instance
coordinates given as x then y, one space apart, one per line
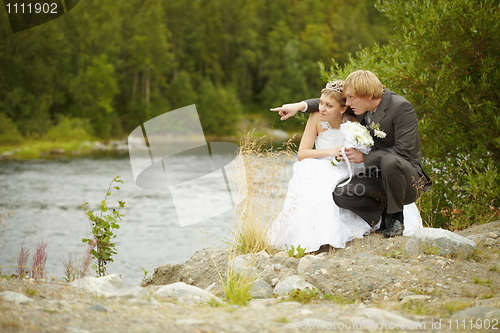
335 89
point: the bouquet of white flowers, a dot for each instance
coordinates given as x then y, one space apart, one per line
357 136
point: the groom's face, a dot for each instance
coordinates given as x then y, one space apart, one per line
358 104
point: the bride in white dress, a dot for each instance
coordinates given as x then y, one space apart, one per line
310 218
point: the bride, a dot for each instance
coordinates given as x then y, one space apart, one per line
310 218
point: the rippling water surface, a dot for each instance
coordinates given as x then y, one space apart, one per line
46 196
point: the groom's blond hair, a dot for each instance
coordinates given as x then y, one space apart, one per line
364 84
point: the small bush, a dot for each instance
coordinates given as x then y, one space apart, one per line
9 135
70 129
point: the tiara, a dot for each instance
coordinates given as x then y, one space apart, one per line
335 86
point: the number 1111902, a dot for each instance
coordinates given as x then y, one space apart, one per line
30 8
474 324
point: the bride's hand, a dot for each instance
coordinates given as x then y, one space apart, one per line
353 155
289 110
335 152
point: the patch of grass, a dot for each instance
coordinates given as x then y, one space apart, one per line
282 320
31 292
215 303
339 299
304 296
291 251
494 269
237 287
397 254
480 254
486 283
428 249
420 308
487 296
452 307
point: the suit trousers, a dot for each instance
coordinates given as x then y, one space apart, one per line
391 186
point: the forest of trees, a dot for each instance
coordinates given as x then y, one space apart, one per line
109 66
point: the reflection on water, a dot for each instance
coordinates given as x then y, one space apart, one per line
46 196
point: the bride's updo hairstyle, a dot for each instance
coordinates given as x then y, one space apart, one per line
335 90
364 84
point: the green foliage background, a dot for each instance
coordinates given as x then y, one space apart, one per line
117 64
443 57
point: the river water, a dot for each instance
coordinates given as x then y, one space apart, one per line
46 196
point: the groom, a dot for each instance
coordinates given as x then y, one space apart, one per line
394 176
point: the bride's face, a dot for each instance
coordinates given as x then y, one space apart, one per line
329 108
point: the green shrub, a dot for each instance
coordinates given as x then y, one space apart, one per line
70 129
9 135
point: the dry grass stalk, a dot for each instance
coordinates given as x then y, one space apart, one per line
22 263
266 172
38 261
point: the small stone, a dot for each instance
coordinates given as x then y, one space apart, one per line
440 262
415 298
404 295
264 254
397 285
98 307
490 241
274 282
492 234
323 271
282 254
277 267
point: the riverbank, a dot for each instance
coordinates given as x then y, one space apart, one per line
35 149
371 281
51 149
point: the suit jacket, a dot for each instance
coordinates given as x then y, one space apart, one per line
398 119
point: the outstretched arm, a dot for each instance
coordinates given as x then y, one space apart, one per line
289 110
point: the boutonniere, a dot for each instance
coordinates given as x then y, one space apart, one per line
379 133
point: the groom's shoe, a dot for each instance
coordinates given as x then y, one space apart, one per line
394 225
383 223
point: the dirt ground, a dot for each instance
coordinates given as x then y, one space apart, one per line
371 281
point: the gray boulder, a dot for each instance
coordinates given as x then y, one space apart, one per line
377 316
440 242
291 283
478 312
15 297
261 289
105 286
194 294
310 264
244 264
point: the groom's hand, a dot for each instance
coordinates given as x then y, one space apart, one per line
353 155
289 110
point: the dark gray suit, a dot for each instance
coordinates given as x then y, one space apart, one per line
394 175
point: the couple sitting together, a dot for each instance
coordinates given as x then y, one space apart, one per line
338 193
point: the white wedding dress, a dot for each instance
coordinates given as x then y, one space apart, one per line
310 217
